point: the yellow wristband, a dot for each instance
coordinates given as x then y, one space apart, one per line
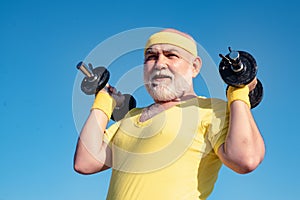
235 93
105 103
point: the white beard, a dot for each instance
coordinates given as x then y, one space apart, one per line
165 90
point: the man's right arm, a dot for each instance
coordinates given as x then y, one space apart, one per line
92 153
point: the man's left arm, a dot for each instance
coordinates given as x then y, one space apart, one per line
244 148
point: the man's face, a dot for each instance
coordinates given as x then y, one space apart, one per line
168 72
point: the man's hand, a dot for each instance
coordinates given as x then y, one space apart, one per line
252 84
118 96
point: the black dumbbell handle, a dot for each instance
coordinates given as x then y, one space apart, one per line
82 67
236 64
88 72
234 60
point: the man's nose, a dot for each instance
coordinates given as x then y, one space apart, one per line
161 62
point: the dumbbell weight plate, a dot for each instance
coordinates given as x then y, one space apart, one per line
119 113
256 94
92 85
241 78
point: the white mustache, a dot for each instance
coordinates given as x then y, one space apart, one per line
161 74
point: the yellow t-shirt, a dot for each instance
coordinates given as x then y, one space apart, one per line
170 156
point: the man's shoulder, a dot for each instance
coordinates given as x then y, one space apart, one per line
134 112
204 102
214 101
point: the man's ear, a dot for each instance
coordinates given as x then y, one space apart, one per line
197 64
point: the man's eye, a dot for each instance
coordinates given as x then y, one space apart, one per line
151 57
172 55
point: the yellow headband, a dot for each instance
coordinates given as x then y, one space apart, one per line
174 39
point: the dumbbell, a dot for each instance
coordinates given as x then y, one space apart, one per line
239 68
96 79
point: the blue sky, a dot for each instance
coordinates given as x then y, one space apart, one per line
42 41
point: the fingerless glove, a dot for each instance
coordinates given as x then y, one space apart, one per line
105 103
236 93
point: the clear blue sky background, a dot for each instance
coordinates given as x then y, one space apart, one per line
42 41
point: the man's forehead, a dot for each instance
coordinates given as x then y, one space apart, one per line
164 47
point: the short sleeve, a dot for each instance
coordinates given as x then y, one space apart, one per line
110 132
218 124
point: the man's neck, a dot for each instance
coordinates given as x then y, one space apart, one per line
160 106
173 102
